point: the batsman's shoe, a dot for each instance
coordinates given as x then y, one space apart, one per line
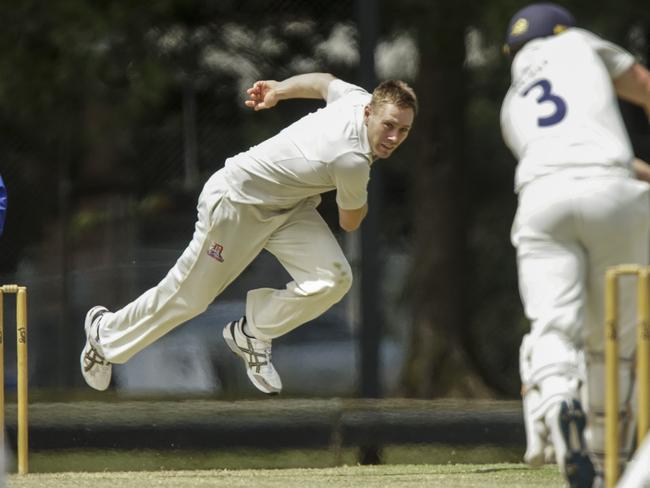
256 354
578 468
95 369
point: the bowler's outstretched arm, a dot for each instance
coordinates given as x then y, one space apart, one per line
267 93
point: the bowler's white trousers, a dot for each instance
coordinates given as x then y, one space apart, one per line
567 232
227 237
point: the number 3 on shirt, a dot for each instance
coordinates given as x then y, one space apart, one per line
548 96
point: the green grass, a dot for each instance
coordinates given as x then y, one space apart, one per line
393 476
412 466
170 460
403 465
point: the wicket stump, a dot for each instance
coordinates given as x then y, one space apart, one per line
21 355
612 435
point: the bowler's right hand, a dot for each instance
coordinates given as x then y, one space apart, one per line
262 95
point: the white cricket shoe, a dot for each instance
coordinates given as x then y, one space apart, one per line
95 369
256 354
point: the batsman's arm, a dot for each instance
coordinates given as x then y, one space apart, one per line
634 86
267 93
3 204
350 220
641 169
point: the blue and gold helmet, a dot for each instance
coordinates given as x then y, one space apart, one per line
536 20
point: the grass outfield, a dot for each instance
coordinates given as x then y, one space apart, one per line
393 476
101 460
412 466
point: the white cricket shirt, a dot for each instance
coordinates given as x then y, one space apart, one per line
561 111
325 150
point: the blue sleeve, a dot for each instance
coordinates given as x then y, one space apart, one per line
3 204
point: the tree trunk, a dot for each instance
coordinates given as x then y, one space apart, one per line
438 364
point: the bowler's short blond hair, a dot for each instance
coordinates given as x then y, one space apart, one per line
396 92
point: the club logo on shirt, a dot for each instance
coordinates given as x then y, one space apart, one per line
214 251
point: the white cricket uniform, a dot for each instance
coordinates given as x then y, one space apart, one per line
264 198
580 211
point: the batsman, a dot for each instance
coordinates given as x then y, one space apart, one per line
580 210
3 204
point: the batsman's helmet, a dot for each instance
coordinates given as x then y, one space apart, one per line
536 20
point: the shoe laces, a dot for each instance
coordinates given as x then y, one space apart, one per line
267 354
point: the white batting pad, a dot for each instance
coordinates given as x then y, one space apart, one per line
551 371
594 403
637 473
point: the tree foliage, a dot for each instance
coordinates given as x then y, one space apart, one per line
92 97
468 320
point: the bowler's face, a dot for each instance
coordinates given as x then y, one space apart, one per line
388 126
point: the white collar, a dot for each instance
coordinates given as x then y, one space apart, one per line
363 136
